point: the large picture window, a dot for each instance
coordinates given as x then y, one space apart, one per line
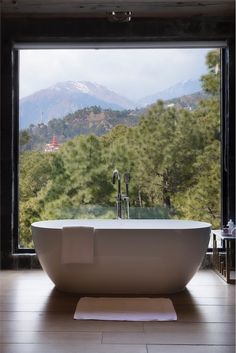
152 113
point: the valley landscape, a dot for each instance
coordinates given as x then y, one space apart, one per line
163 143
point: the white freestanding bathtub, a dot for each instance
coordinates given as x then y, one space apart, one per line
130 256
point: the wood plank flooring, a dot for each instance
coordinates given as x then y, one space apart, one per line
36 318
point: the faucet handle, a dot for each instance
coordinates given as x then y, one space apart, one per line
127 178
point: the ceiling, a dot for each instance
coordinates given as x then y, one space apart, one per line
139 8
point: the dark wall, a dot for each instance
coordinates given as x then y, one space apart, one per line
59 30
153 29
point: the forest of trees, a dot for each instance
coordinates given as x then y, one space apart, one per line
173 157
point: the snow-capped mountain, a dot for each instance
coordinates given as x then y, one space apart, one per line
178 90
67 97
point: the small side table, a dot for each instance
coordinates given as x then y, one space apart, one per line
223 256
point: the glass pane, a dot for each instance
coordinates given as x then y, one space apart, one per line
152 113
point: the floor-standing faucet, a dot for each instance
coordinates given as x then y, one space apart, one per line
125 198
121 198
116 175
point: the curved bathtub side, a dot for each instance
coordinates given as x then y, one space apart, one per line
47 244
126 261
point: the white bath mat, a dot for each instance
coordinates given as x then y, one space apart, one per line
125 309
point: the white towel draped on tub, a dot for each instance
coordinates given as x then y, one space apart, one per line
77 245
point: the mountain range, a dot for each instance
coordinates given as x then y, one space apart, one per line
67 97
180 89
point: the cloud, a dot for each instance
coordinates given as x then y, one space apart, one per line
133 73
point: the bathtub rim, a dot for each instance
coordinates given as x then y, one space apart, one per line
123 224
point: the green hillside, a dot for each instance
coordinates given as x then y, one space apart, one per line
94 120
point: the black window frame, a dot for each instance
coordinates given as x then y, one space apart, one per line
56 34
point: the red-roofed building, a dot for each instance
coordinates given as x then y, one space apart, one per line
53 146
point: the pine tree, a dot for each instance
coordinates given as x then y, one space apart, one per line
202 200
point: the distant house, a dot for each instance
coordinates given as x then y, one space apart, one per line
171 105
53 146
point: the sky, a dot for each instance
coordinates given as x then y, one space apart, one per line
133 73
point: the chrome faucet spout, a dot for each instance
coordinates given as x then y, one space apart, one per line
116 175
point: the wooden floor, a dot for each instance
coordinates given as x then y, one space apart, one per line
36 318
